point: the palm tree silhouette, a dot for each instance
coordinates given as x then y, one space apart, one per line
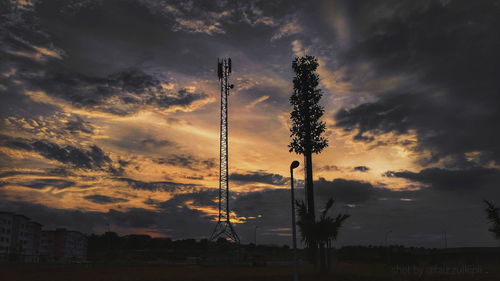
322 232
493 218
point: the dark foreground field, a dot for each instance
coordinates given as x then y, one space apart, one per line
340 272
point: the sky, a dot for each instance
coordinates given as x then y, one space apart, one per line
109 116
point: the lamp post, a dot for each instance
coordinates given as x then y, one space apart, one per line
294 165
388 250
255 235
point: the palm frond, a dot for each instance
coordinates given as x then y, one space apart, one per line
493 218
321 231
328 205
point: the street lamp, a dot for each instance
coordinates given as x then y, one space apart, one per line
388 250
294 165
255 235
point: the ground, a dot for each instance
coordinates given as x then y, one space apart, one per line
341 272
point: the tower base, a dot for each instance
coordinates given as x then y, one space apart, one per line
225 229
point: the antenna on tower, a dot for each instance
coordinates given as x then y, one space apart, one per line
219 69
224 227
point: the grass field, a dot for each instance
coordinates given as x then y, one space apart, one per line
340 272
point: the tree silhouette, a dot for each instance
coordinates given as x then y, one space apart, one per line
306 127
322 232
493 218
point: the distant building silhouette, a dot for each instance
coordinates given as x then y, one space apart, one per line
19 238
63 245
22 240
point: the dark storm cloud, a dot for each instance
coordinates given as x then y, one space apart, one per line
25 49
23 36
85 222
431 215
259 177
43 183
135 218
174 220
329 168
103 199
17 173
59 126
176 35
451 47
104 36
433 210
183 222
78 125
257 207
204 198
31 58
180 221
361 169
277 96
215 16
167 186
469 179
59 171
91 158
263 207
122 93
46 172
388 115
270 209
266 202
346 191
155 143
187 161
139 142
52 218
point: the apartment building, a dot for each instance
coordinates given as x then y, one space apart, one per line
63 245
19 238
22 239
6 219
33 238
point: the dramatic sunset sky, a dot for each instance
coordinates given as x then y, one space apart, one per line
109 114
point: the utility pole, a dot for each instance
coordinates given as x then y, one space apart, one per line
224 228
294 165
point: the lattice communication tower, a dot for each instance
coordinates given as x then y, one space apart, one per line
224 227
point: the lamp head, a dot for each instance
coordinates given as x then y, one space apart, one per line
294 164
